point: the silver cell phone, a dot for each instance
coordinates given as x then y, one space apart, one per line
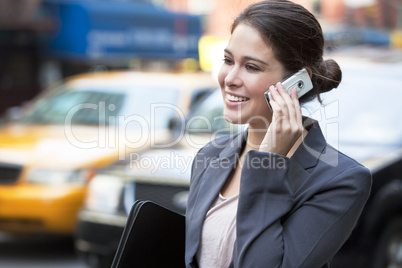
300 80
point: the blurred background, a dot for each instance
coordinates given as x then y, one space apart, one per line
44 42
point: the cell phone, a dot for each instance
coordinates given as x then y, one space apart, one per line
300 80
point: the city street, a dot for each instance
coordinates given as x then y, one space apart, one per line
107 102
37 252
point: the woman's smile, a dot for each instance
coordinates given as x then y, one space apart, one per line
234 100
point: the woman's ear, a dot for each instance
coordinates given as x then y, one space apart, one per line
310 72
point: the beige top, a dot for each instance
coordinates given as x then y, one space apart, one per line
218 234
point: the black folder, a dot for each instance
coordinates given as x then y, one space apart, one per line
154 236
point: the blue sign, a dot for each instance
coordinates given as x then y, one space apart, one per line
108 30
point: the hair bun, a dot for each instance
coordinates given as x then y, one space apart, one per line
330 76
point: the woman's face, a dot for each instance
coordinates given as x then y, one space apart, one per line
249 69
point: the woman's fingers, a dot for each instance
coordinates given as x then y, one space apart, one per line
286 125
288 104
279 97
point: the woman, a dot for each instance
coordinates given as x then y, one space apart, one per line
276 195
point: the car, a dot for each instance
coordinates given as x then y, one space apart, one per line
359 118
73 129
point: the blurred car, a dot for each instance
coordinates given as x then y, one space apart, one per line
360 118
87 122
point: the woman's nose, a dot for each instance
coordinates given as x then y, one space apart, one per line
232 77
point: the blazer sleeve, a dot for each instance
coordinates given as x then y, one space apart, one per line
271 232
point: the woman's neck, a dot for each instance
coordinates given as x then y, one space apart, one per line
255 137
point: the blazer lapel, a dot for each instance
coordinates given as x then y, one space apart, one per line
307 154
213 180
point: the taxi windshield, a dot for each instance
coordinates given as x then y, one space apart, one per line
92 106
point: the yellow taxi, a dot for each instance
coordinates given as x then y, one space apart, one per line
71 130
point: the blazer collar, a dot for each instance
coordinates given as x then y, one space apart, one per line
309 151
234 146
220 168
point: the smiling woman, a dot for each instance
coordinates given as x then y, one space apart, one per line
275 195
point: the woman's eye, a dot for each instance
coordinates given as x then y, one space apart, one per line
252 68
227 61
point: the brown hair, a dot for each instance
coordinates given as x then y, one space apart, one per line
297 41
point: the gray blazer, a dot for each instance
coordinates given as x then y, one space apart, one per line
292 212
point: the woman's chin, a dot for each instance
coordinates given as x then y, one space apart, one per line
233 118
258 122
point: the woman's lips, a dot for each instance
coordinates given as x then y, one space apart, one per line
233 100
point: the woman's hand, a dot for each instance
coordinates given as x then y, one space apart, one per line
286 126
